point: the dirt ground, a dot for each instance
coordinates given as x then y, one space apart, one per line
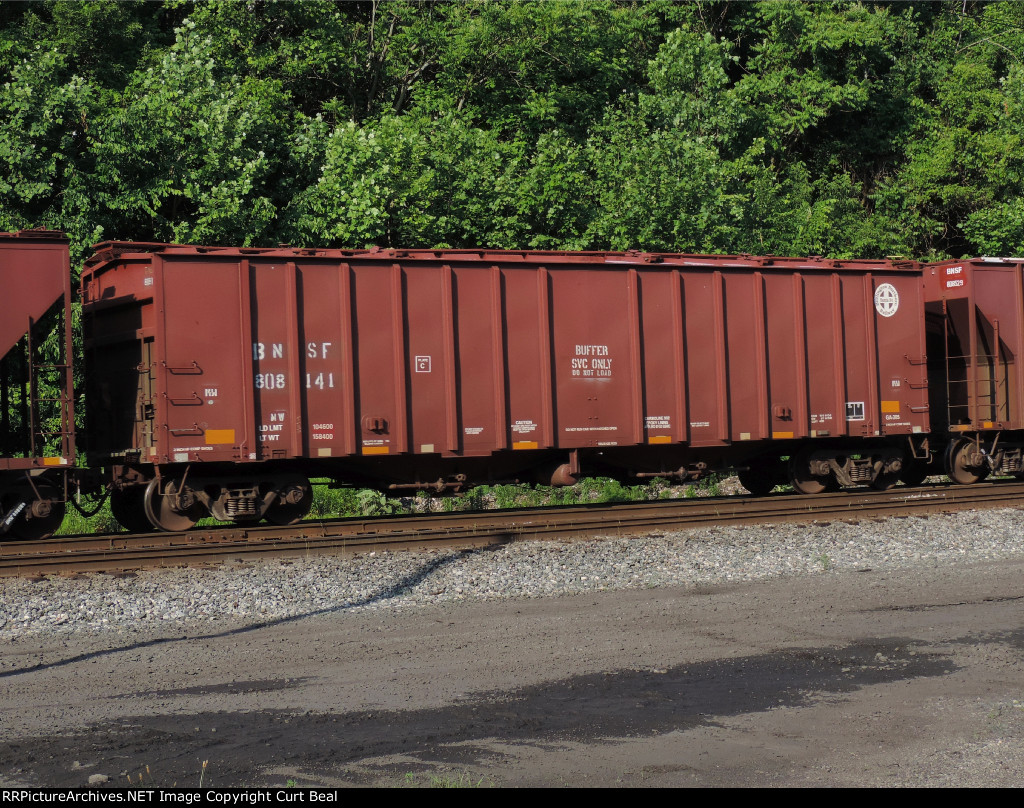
855 679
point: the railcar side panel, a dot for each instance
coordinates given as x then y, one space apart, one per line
705 358
430 330
745 351
824 349
662 358
899 344
786 356
326 361
206 397
35 273
380 361
270 315
479 381
528 357
596 358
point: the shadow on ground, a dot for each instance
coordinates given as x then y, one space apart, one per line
596 708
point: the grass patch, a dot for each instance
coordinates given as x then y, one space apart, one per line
102 522
461 780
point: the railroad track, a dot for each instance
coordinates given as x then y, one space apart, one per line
123 552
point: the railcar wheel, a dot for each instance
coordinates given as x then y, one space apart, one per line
129 509
961 468
297 499
801 478
160 510
915 473
758 479
885 480
42 516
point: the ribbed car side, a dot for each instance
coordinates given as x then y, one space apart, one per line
221 379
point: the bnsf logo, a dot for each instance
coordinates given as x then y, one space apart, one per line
954 281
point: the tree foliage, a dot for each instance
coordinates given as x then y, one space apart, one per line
853 129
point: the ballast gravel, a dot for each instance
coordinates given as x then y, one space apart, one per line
270 591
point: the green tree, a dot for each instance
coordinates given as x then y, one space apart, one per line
190 153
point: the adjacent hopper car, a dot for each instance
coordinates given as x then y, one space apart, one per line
974 313
219 380
36 419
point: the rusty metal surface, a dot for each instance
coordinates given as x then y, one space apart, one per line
411 364
474 529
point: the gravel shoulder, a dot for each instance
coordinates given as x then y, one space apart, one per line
877 653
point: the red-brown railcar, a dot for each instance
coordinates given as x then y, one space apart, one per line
37 441
975 319
221 378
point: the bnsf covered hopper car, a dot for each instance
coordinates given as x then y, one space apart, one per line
220 379
36 398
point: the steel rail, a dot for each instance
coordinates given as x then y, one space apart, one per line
120 552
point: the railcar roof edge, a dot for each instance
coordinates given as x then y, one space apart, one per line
109 251
38 233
